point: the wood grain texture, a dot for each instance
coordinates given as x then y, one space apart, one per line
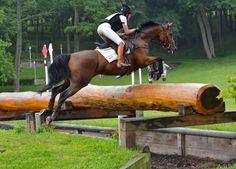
166 97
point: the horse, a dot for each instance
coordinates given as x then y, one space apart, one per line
77 69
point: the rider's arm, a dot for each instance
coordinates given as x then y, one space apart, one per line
127 30
125 25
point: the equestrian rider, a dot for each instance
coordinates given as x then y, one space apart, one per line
108 30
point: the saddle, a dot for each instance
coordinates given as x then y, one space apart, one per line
115 46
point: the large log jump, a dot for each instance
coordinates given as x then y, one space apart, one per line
166 97
195 104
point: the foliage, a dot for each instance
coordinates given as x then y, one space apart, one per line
6 68
90 14
230 91
7 20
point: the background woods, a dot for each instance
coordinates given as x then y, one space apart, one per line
205 25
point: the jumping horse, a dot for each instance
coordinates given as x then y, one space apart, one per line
77 69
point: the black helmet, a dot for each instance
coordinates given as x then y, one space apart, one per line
125 9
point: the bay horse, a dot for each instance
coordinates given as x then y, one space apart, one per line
77 69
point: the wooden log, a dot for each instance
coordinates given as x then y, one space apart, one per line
165 97
21 101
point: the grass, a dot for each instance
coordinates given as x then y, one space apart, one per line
28 73
24 150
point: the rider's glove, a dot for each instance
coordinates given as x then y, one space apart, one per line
138 29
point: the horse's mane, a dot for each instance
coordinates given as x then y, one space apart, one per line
142 26
149 23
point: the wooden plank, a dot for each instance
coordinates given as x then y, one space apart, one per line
195 145
70 114
7 126
12 115
82 128
179 121
91 114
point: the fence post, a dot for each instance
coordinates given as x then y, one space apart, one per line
30 121
127 134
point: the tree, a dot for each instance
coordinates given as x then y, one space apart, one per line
6 69
23 7
87 15
18 44
200 8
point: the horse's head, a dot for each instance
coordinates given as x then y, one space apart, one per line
163 32
165 37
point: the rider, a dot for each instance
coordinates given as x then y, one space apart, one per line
108 30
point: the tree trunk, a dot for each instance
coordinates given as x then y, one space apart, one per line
68 42
76 34
204 37
37 35
18 44
208 31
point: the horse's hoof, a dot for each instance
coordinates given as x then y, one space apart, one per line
48 120
158 76
47 112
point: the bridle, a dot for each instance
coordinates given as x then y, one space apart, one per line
164 44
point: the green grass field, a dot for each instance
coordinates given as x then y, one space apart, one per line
52 150
55 150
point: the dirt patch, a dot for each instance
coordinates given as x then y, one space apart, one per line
189 162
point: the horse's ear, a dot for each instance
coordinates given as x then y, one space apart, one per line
170 24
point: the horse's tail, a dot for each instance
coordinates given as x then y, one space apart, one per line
57 71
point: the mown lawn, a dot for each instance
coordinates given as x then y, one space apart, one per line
24 150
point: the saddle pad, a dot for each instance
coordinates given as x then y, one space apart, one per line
108 53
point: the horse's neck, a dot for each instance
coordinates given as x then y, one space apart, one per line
137 42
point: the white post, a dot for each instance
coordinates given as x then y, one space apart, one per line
46 70
50 49
132 78
44 52
30 58
35 76
140 76
149 69
61 48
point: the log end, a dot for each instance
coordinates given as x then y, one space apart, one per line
209 103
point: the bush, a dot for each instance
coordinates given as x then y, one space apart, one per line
230 91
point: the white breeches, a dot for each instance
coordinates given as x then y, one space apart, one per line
104 31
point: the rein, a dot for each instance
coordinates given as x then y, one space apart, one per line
164 45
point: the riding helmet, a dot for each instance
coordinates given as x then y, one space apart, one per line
125 9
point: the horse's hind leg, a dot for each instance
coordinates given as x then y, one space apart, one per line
71 90
55 91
